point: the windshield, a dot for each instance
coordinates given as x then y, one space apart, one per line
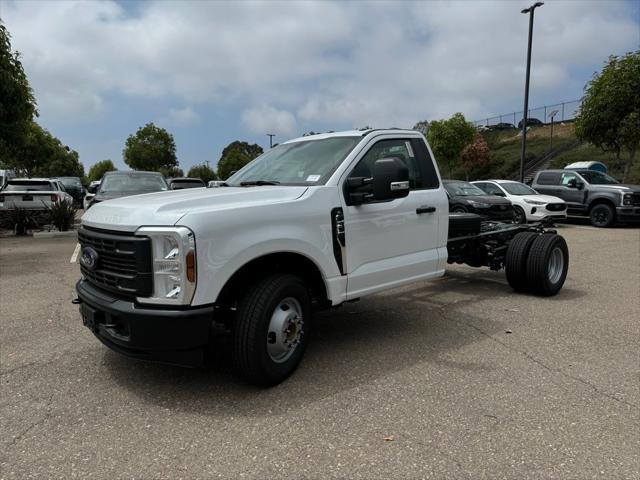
463 189
132 183
21 186
518 189
598 178
309 162
70 181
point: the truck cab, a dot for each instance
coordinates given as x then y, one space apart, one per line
330 218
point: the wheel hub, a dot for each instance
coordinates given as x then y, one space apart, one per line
556 265
285 330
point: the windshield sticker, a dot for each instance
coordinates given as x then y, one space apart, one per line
313 178
409 149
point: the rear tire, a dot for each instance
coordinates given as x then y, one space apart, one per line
516 260
271 329
602 215
548 264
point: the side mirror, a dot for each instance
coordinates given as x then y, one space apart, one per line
92 188
390 179
579 185
572 183
499 194
174 186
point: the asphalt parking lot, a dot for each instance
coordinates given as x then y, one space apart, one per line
457 378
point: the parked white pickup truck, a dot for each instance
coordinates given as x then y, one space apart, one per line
312 223
32 194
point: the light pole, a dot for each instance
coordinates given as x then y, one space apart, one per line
271 135
552 116
530 11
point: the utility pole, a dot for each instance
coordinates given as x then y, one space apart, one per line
551 116
271 135
525 118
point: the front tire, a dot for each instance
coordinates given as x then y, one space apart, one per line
459 209
602 215
271 329
518 215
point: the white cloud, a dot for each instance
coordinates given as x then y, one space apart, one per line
266 119
183 117
342 64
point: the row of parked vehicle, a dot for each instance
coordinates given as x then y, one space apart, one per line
552 195
122 184
38 194
531 122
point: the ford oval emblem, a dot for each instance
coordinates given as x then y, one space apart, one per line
89 258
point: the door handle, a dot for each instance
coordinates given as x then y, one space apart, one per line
425 209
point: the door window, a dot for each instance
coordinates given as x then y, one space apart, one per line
548 178
566 177
398 148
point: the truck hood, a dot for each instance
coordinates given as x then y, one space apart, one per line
618 187
167 208
539 198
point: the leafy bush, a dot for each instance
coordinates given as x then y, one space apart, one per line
19 220
62 214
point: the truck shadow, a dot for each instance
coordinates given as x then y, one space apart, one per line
351 346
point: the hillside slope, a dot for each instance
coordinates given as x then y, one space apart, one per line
505 152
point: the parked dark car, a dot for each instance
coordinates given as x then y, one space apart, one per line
531 122
181 183
502 126
465 197
591 193
124 184
74 187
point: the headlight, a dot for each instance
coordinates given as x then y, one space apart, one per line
479 204
627 199
173 250
534 202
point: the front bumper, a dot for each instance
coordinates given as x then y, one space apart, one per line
537 213
166 335
628 214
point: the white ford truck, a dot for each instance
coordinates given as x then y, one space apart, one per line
311 224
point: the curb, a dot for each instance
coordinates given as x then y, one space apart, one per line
68 233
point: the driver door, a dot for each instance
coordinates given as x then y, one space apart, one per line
389 243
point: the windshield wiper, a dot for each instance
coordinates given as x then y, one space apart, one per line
258 183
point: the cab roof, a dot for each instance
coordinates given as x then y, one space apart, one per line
352 133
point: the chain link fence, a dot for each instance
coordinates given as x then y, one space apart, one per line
561 112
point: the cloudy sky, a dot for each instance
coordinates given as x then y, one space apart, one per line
213 72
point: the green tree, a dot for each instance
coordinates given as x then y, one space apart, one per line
97 170
150 148
422 127
609 117
448 138
43 155
173 172
17 102
475 156
203 172
235 156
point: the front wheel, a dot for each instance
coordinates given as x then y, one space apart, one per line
459 209
271 329
518 215
602 215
